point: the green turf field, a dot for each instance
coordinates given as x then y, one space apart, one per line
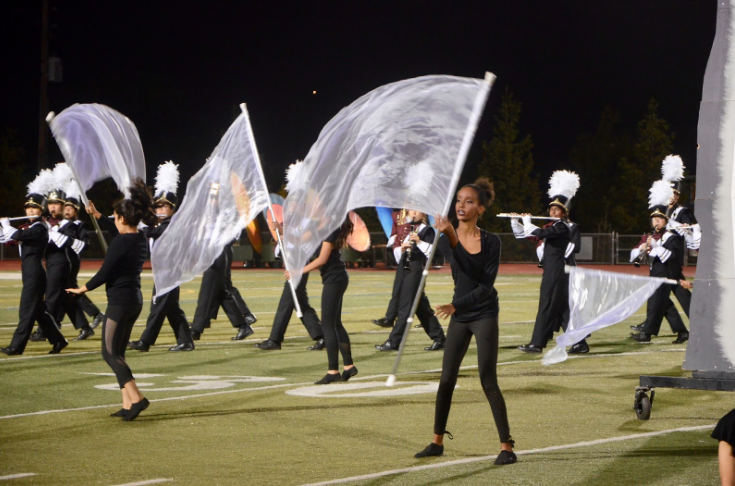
229 413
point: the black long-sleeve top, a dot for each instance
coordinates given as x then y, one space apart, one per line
33 240
474 276
557 238
668 263
121 269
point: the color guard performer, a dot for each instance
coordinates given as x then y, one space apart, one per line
561 240
32 241
166 306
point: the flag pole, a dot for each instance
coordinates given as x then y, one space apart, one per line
251 137
103 243
477 109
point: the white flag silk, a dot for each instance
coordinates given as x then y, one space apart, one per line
599 299
97 143
401 145
221 199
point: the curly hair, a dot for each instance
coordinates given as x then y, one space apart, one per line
138 207
485 190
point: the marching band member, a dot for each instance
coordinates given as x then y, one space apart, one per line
165 306
664 249
414 247
32 241
394 242
561 239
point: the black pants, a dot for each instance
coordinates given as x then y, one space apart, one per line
408 282
166 306
553 306
216 291
285 310
336 339
459 335
73 305
656 309
32 308
392 313
56 281
684 296
115 336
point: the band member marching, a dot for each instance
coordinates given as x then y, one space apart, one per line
394 242
414 240
663 249
561 239
32 241
167 305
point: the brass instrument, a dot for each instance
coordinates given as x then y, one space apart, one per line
642 258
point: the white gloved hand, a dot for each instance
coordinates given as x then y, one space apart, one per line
526 218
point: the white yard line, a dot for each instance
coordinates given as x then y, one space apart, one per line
149 481
16 476
470 460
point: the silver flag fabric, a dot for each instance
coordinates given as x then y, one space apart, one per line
401 145
97 143
221 199
599 299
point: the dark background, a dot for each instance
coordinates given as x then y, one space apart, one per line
179 69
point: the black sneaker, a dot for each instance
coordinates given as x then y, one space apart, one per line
506 457
430 450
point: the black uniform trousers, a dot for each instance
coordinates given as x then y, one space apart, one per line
32 309
684 296
217 290
392 313
73 305
658 305
553 306
285 310
166 306
408 283
57 280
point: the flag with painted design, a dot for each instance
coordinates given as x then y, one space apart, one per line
221 199
401 145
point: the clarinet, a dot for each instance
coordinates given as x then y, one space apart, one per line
407 260
643 256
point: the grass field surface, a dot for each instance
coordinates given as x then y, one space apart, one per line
228 413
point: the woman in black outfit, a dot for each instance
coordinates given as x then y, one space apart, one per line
334 280
120 273
474 255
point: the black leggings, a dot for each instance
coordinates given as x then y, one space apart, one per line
336 338
459 335
115 336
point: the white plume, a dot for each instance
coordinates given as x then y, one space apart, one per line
563 183
419 177
62 176
72 189
43 183
167 178
295 176
672 168
661 194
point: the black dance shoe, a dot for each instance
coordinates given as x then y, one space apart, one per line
638 327
84 333
430 450
250 319
318 345
437 345
329 378
268 345
57 347
347 374
682 337
382 322
506 457
135 410
182 347
195 335
120 413
244 332
530 348
641 337
386 346
139 346
38 336
10 351
97 320
580 348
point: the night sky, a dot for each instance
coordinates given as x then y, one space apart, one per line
179 69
